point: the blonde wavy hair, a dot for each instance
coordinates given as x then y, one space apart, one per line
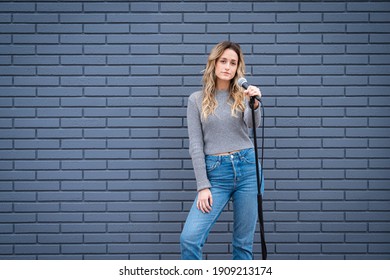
209 103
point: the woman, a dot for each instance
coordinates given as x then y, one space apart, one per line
222 153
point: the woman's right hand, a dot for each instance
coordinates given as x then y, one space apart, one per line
205 201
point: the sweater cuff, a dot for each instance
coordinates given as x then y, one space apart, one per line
203 185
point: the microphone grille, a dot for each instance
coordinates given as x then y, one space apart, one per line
241 81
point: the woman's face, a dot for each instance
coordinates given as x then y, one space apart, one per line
226 65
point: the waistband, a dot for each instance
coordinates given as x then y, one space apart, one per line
238 154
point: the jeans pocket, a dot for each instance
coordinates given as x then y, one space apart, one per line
212 163
249 156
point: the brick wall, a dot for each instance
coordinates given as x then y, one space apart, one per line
94 157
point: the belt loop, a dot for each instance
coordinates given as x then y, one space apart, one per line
240 153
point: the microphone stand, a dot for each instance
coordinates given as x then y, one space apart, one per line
259 176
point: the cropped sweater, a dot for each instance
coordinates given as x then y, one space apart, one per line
220 133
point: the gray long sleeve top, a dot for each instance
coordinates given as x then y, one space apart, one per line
220 133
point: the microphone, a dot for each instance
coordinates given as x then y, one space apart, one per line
242 82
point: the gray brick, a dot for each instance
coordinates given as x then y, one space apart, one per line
59 154
379 227
17 50
142 7
369 238
144 60
62 133
145 122
59 196
81 207
144 217
85 102
106 217
83 165
321 238
83 60
142 70
63 217
17 28
60 238
302 248
315 49
83 228
324 195
84 123
379 248
276 7
343 227
17 218
209 17
62 7
36 81
106 196
17 7
36 207
137 196
106 154
113 91
106 7
105 175
144 81
144 206
142 238
367 216
67 70
303 206
35 123
17 133
363 49
83 249
106 28
144 38
297 17
76 18
37 249
17 239
298 38
144 228
82 39
37 228
183 28
82 81
59 112
144 164
17 175
145 17
204 38
144 174
17 154
34 165
104 238
323 216
36 186
55 175
231 28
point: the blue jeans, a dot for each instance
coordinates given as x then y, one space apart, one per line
231 176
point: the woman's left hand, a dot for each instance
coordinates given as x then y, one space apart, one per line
253 91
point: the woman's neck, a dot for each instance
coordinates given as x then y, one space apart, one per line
222 85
